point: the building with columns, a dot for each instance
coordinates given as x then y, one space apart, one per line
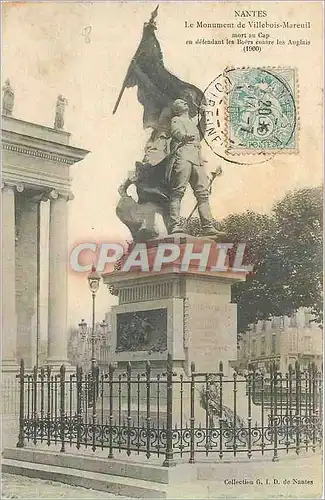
35 169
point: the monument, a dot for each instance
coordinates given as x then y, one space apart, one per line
189 313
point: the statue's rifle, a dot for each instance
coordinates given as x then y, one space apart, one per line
216 173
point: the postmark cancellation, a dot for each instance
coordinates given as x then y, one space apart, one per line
261 110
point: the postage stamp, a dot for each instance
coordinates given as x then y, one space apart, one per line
261 110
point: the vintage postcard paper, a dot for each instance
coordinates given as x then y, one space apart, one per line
162 249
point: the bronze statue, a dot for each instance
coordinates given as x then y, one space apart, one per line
174 110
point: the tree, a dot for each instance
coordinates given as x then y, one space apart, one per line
285 248
299 221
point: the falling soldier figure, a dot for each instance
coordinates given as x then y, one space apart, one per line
186 167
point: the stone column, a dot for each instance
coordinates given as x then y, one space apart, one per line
26 278
9 318
58 265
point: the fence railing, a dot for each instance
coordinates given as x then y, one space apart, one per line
173 415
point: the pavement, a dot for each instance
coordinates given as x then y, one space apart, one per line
295 478
24 487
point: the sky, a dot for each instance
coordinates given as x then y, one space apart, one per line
45 53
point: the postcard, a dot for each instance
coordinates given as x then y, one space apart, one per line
162 200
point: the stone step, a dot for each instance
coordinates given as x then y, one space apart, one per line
84 462
118 485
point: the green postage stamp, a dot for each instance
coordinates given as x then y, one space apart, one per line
261 110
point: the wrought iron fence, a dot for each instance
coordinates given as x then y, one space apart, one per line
173 415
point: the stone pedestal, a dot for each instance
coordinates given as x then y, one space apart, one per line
186 313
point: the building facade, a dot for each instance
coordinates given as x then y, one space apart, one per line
35 169
284 340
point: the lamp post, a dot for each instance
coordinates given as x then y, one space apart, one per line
93 281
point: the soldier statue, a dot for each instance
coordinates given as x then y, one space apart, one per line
185 168
172 158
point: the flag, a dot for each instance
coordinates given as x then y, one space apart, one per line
157 87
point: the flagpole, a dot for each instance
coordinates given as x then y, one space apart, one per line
151 21
122 89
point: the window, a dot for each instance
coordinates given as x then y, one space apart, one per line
281 321
263 345
273 343
293 342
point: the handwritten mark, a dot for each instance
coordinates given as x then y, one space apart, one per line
86 32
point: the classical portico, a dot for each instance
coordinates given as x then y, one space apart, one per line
36 163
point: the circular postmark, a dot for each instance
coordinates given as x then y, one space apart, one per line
251 115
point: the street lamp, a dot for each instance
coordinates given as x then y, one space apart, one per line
93 281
